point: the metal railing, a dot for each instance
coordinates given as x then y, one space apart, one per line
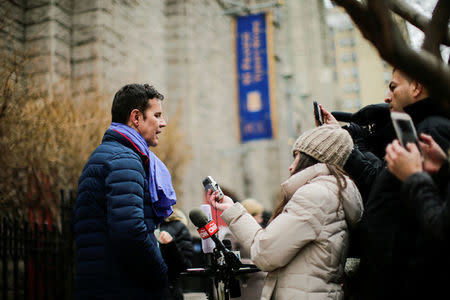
37 260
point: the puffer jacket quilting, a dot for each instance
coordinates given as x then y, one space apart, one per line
304 248
114 221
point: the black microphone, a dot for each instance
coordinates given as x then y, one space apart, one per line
207 228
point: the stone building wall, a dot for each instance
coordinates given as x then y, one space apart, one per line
185 48
42 30
302 75
117 42
12 25
98 45
202 84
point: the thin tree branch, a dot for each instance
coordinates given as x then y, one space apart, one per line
383 25
359 14
410 14
436 30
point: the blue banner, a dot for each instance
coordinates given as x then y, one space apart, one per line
253 78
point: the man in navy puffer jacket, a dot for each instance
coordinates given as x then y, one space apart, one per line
124 192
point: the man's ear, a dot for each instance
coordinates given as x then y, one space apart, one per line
416 88
134 118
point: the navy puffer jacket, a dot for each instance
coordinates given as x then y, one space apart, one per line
117 252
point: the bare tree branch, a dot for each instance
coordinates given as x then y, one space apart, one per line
376 25
359 14
410 14
384 38
436 30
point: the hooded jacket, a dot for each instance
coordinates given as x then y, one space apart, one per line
303 248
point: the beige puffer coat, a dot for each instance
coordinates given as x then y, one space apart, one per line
304 248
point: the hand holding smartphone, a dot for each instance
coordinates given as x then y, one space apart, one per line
404 128
317 113
210 184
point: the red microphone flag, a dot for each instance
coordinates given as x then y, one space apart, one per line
209 230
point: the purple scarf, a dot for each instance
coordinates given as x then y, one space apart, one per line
159 179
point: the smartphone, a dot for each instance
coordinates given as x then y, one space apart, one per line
404 128
317 113
210 184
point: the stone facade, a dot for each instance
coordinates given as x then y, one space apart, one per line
202 82
185 48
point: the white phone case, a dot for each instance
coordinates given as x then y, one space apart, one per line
404 128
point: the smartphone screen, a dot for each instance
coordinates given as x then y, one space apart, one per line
317 113
407 132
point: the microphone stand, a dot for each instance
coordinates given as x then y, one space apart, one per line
225 275
223 270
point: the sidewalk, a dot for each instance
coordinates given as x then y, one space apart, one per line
194 296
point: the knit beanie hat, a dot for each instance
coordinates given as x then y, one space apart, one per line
327 143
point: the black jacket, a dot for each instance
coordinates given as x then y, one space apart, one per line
364 165
177 255
179 252
394 252
427 200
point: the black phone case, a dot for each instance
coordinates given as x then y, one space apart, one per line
317 114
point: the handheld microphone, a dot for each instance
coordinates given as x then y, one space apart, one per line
207 228
207 244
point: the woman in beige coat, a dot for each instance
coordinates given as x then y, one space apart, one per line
304 246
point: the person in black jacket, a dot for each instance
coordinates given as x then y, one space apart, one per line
426 184
177 250
394 251
426 196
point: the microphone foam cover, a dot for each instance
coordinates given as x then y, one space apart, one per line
198 217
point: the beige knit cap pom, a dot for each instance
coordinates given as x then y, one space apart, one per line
327 143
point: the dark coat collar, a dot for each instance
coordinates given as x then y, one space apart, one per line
423 109
112 135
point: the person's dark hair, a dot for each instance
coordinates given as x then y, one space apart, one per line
403 74
266 216
130 97
307 161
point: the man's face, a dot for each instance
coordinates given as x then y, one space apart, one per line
153 123
400 92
